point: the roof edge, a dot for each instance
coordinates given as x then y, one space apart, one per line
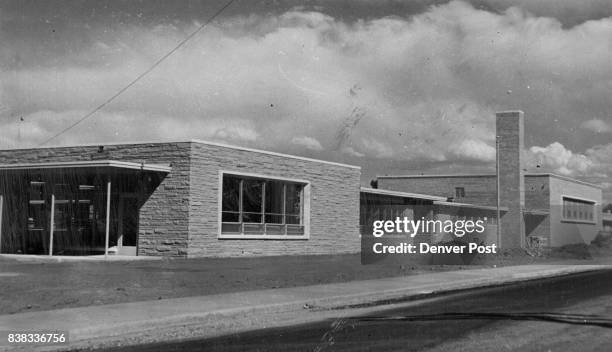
86 164
436 176
561 177
400 194
199 141
526 174
223 145
471 206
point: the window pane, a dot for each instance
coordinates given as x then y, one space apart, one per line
274 219
274 202
231 228
62 217
254 229
295 230
37 219
37 190
293 198
230 216
275 229
459 192
251 217
293 219
251 196
231 193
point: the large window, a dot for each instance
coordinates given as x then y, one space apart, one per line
262 207
578 210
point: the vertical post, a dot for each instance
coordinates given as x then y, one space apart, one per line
121 206
52 224
284 208
1 209
498 215
108 206
263 205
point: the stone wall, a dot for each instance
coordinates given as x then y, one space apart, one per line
334 203
180 216
479 189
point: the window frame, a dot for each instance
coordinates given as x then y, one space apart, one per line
578 211
305 205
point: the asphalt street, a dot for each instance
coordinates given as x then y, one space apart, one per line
514 317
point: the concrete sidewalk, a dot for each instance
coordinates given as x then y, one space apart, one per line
208 316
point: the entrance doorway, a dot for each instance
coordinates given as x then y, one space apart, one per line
127 225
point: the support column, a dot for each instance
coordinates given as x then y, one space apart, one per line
1 210
511 178
52 224
108 207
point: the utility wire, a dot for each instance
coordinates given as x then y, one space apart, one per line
146 72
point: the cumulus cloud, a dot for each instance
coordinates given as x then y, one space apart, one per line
556 157
571 12
597 125
475 149
594 165
307 142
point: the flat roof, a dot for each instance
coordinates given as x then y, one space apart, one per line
385 192
471 206
565 178
88 164
526 174
436 176
198 141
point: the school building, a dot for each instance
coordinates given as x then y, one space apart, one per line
203 199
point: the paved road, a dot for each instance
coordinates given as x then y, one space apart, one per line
578 294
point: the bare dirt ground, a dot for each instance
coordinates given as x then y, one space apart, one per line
35 286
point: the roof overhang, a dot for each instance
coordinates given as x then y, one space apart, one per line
93 164
470 206
384 192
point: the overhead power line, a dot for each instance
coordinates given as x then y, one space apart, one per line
139 77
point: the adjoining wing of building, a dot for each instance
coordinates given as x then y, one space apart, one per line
543 209
202 199
557 210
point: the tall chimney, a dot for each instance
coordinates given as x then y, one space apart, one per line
510 135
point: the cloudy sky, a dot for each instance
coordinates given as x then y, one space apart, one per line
393 86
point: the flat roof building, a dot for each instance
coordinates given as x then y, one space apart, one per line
544 209
184 199
558 210
203 199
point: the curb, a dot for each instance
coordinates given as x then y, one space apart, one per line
208 324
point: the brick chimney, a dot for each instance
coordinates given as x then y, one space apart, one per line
510 136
